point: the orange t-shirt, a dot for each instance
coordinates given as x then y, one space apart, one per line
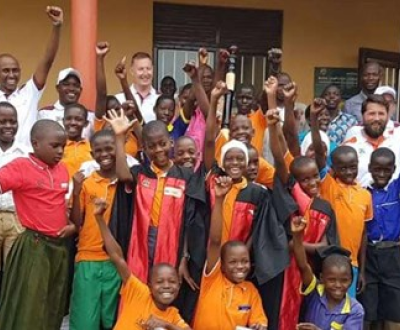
90 243
131 144
353 207
259 124
75 154
223 305
265 174
138 306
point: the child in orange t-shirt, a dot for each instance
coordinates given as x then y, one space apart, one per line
95 276
144 307
226 299
351 203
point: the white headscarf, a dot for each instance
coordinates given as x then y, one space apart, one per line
230 145
307 142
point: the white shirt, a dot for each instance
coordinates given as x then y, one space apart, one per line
267 153
364 150
90 166
56 113
17 150
146 105
26 100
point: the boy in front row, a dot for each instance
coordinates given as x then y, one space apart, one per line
143 307
34 287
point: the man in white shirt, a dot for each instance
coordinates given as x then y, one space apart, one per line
26 97
372 135
141 88
69 89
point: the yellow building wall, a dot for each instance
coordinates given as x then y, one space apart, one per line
315 33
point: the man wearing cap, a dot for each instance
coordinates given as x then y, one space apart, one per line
390 95
26 97
141 88
370 79
69 88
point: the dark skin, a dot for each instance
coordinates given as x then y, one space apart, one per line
309 179
164 282
74 122
8 127
165 111
235 164
332 97
319 147
371 76
185 153
168 87
381 169
241 129
245 100
252 167
69 90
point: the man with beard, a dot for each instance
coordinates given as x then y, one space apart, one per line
370 79
373 135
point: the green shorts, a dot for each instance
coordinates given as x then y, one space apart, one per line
94 295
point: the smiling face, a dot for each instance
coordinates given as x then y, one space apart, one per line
165 110
69 90
381 169
235 263
74 122
308 178
103 152
333 97
142 72
252 167
157 146
235 164
185 152
345 166
164 286
8 124
10 74
370 78
337 280
241 129
375 119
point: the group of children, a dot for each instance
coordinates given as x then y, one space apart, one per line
176 223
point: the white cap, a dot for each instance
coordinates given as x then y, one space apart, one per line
385 90
68 72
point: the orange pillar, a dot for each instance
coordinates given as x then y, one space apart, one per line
83 43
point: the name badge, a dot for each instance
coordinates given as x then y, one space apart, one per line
174 192
244 308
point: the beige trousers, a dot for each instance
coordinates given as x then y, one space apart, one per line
10 228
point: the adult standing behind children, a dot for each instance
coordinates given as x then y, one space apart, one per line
370 79
143 92
26 97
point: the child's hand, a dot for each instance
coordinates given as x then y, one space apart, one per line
307 326
203 56
100 206
290 93
271 86
258 327
77 180
102 48
130 109
273 117
120 69
297 225
154 322
360 283
119 122
222 186
67 231
191 70
184 274
275 55
219 90
223 56
56 15
316 107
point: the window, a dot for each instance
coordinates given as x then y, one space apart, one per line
180 30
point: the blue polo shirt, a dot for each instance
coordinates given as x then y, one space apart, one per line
348 315
385 226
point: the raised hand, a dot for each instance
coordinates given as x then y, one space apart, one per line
77 180
191 70
297 225
290 92
102 48
120 69
222 186
55 14
203 56
273 117
219 90
317 106
223 56
130 109
119 122
271 85
100 206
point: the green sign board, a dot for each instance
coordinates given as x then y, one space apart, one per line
345 78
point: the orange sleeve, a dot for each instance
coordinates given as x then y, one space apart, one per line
288 158
134 290
178 320
369 212
327 184
82 199
266 173
257 312
221 139
98 124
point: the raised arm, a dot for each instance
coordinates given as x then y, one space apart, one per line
220 70
320 152
198 90
102 48
275 135
121 126
120 72
297 226
56 16
76 216
211 124
289 125
222 187
112 247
